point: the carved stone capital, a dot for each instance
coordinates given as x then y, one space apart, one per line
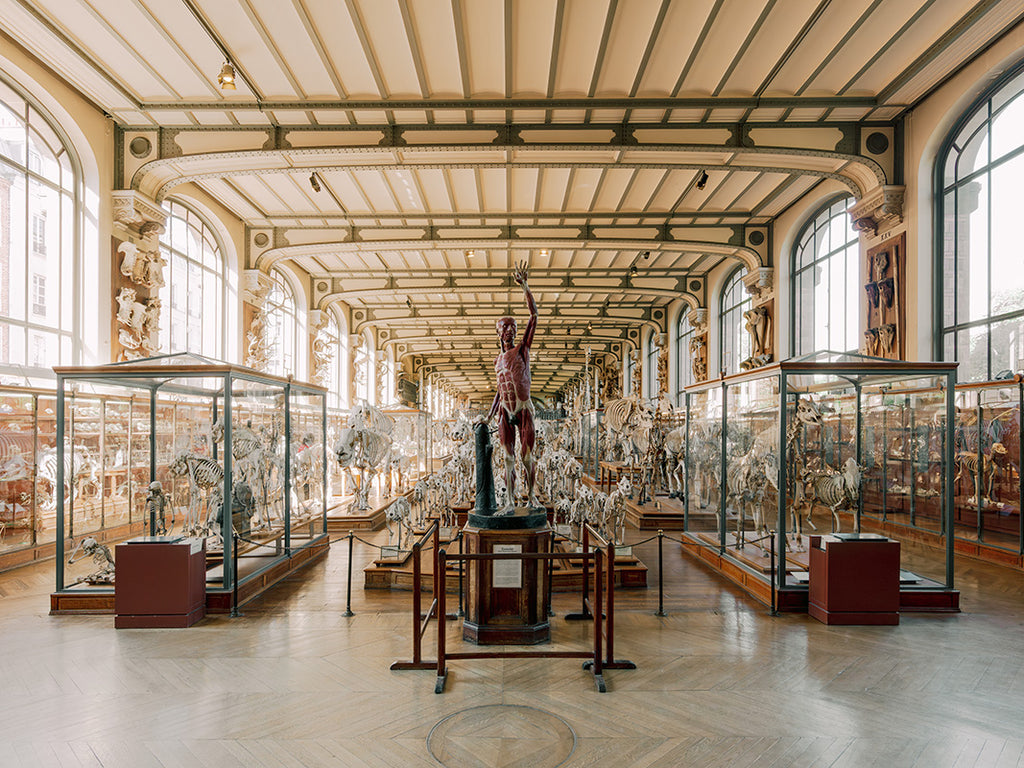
760 282
699 319
138 213
255 287
317 320
879 210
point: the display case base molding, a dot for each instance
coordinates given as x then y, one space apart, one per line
932 598
73 602
339 521
976 550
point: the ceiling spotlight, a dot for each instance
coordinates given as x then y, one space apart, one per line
226 78
314 182
646 254
703 180
470 254
545 252
590 327
632 269
408 302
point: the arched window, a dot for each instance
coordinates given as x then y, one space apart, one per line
650 377
192 299
282 325
735 339
684 335
980 305
825 283
39 211
329 339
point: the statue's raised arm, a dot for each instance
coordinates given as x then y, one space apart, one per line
519 275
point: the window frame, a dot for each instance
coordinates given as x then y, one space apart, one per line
984 102
206 233
821 221
56 238
734 280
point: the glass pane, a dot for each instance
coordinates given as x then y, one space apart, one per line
12 127
41 158
948 259
1007 274
974 155
972 288
12 290
1008 126
1007 341
972 354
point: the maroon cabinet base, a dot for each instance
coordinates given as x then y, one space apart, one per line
159 583
854 581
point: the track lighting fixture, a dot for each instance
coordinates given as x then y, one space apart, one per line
646 254
632 269
703 180
408 302
470 254
314 182
226 78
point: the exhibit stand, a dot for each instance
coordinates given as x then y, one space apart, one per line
854 579
507 600
161 582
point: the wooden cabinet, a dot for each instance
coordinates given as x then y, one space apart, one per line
161 582
854 579
508 599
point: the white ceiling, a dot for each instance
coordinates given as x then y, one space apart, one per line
567 133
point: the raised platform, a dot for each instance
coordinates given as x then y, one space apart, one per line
339 520
90 600
747 570
667 515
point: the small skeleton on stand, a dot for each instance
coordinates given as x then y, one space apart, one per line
100 554
157 504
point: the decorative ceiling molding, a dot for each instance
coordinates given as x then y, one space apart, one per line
141 215
880 211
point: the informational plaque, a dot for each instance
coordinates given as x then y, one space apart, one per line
508 574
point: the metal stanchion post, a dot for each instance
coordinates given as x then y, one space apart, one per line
348 589
661 575
235 613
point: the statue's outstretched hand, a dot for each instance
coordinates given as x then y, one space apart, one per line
519 273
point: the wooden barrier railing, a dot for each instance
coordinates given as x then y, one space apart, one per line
420 621
597 604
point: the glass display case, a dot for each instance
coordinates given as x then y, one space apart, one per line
410 447
828 443
987 460
590 441
157 445
985 474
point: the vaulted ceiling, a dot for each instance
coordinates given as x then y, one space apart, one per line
451 139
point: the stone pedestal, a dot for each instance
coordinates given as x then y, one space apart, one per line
507 601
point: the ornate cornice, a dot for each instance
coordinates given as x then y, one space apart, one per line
138 213
760 282
255 287
698 318
879 210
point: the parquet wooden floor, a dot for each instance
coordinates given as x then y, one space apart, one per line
719 682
